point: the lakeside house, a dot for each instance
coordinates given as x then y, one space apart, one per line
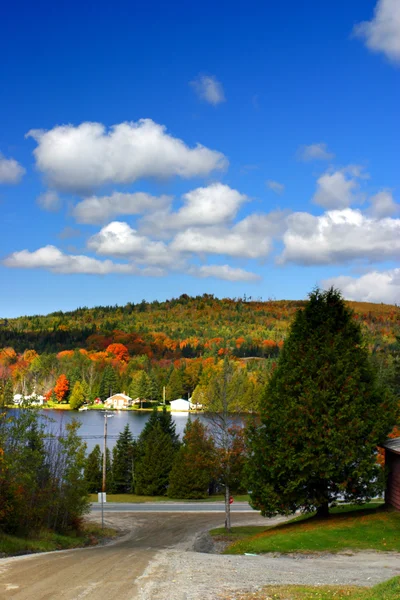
30 399
180 405
392 462
118 401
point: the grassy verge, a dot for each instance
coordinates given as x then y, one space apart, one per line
46 541
139 499
348 528
390 590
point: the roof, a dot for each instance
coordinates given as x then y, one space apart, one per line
119 395
392 445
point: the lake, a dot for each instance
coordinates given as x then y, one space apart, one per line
92 423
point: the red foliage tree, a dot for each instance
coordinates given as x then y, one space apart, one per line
119 351
61 388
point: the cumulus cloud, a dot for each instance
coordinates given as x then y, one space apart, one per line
376 286
209 89
119 239
382 33
99 209
49 201
250 238
223 272
82 158
11 171
339 189
339 236
52 259
215 204
314 152
383 204
276 187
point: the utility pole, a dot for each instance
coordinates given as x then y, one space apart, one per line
163 390
103 487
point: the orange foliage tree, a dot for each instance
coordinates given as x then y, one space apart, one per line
61 388
119 351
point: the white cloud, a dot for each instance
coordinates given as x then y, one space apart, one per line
209 89
88 156
52 259
383 204
250 238
10 170
275 186
215 204
49 201
314 152
99 209
339 189
382 33
339 236
119 239
223 272
376 286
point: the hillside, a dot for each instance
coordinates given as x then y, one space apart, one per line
184 326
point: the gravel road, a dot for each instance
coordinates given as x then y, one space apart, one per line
155 560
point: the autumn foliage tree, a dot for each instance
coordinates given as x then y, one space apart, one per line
322 416
61 388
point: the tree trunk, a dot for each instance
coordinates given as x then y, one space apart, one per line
323 510
227 510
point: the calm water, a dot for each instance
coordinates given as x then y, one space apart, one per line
92 423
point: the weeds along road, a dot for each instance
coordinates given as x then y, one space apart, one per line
156 560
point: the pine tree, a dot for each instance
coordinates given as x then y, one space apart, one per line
155 453
93 470
175 388
194 463
323 415
123 462
108 383
77 397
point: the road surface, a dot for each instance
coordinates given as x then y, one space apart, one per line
155 560
182 507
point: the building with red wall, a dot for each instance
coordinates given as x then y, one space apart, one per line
392 461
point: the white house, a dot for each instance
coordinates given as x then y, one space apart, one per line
118 401
32 399
180 405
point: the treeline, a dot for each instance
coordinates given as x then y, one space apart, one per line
159 464
184 327
41 476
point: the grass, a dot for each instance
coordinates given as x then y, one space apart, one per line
389 590
139 499
46 541
348 528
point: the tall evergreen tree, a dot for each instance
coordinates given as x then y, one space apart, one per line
123 462
155 453
175 388
194 463
93 470
108 383
77 396
323 415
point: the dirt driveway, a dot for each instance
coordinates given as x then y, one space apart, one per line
155 561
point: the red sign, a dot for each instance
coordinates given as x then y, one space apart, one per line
230 500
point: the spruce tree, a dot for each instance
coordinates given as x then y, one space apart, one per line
123 463
175 388
194 463
93 470
155 453
322 416
108 383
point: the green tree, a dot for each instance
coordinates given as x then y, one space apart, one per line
93 470
175 388
77 397
8 393
194 463
123 462
322 416
155 453
108 383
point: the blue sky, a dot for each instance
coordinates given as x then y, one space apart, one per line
153 149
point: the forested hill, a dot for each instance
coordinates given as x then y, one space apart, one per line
185 327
